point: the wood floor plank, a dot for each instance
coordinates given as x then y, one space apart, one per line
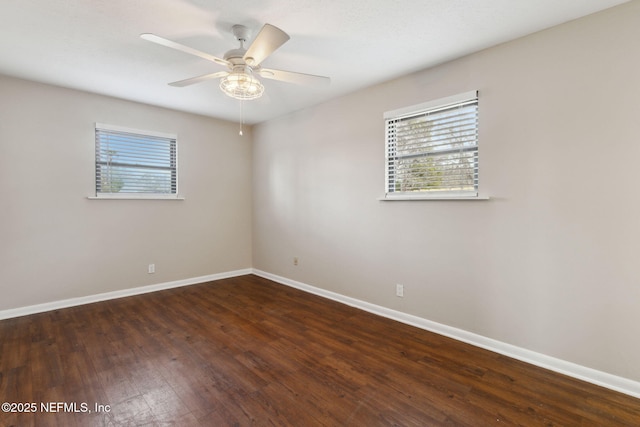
247 351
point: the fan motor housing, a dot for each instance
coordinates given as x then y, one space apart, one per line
235 56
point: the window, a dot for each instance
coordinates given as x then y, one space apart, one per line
432 149
135 164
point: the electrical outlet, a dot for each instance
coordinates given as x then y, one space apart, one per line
152 268
399 290
295 260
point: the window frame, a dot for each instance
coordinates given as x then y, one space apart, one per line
173 168
390 160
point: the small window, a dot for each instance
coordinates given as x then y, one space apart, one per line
135 164
432 149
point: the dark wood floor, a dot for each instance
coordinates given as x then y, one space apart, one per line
247 351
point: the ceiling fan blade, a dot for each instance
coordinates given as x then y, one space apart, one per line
198 79
186 49
293 77
266 42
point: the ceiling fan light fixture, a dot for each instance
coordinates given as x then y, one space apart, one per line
241 85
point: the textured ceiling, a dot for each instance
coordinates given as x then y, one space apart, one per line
94 45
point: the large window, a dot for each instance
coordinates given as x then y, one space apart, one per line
432 149
136 164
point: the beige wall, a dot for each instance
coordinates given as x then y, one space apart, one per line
549 264
57 244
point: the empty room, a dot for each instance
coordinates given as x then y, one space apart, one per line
302 213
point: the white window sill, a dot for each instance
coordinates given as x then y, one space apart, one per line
135 197
429 198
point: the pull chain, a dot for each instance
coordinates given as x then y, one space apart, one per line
241 116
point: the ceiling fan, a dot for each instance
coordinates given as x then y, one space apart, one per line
242 64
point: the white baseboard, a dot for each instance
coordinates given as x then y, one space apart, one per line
55 305
593 376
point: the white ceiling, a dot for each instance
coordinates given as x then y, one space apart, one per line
93 45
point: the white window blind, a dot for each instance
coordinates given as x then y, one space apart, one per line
432 148
131 162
